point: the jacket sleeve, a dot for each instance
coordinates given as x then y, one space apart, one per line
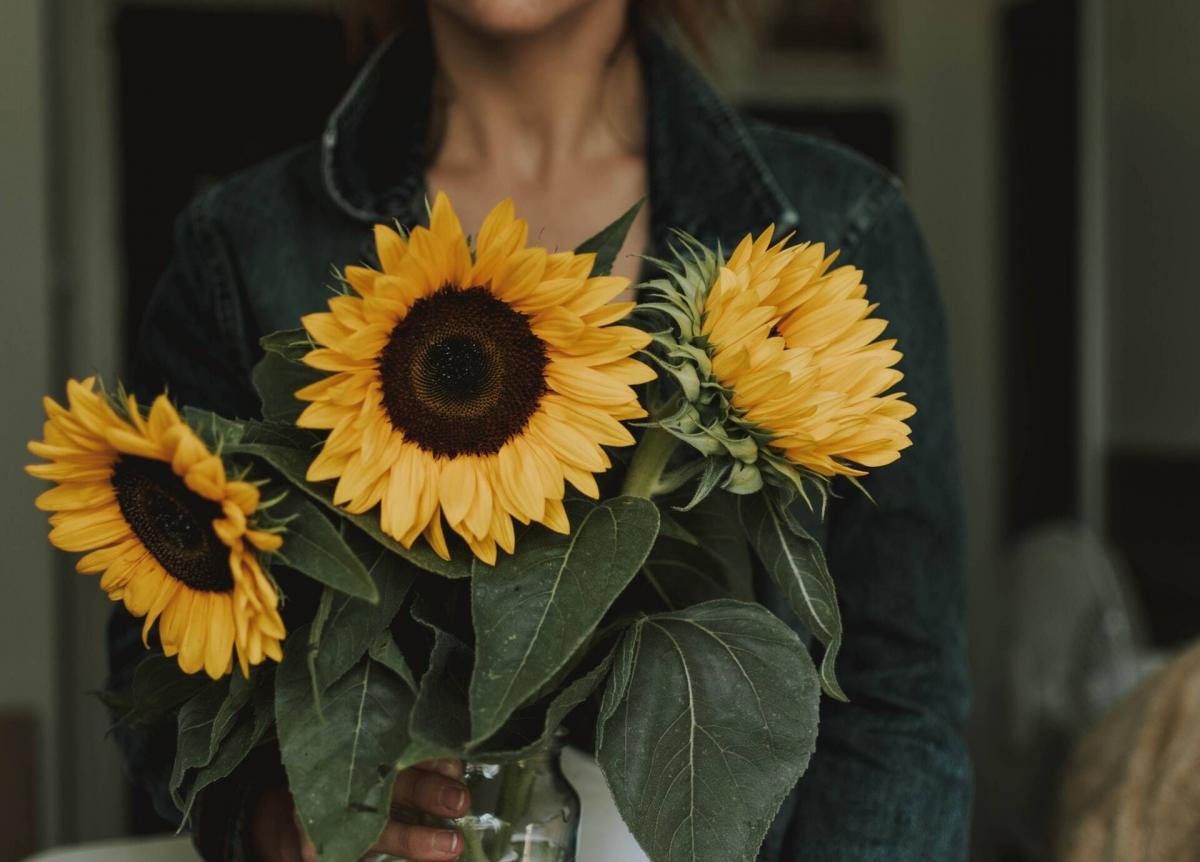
194 343
891 778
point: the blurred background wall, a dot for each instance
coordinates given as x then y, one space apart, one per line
1051 149
28 676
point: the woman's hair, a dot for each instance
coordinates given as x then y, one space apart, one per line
369 22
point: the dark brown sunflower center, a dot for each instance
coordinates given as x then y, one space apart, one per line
462 373
173 523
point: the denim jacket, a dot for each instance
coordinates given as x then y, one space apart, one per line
891 778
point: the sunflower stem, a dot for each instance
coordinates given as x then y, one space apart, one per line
649 461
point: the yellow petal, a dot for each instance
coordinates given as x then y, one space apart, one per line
244 495
457 487
87 537
436 538
264 541
390 247
220 635
556 517
76 496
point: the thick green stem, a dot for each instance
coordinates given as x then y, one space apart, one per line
649 460
516 784
472 845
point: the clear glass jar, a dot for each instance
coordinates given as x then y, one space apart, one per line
521 811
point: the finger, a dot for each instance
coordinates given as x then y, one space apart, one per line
430 792
419 843
451 767
307 851
275 833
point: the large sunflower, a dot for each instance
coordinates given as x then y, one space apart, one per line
169 530
796 345
470 384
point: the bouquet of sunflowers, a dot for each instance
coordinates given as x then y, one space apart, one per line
430 468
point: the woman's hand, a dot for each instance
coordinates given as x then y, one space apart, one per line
434 787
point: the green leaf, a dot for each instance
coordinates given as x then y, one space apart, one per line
276 379
341 763
607 244
683 575
512 742
159 687
293 463
533 609
797 564
201 725
440 721
385 651
353 624
250 728
217 432
713 527
313 546
708 720
280 434
289 344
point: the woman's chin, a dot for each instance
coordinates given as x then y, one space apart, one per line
512 18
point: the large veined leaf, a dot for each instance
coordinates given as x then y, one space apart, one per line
708 720
607 244
797 564
268 443
341 762
533 609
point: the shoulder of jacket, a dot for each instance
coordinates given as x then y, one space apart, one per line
269 191
836 191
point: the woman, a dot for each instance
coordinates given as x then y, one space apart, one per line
577 108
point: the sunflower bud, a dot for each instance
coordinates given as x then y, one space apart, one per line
777 366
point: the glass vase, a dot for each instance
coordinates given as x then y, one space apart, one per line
521 811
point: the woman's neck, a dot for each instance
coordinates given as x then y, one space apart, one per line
539 105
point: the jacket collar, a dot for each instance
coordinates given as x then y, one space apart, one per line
707 177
